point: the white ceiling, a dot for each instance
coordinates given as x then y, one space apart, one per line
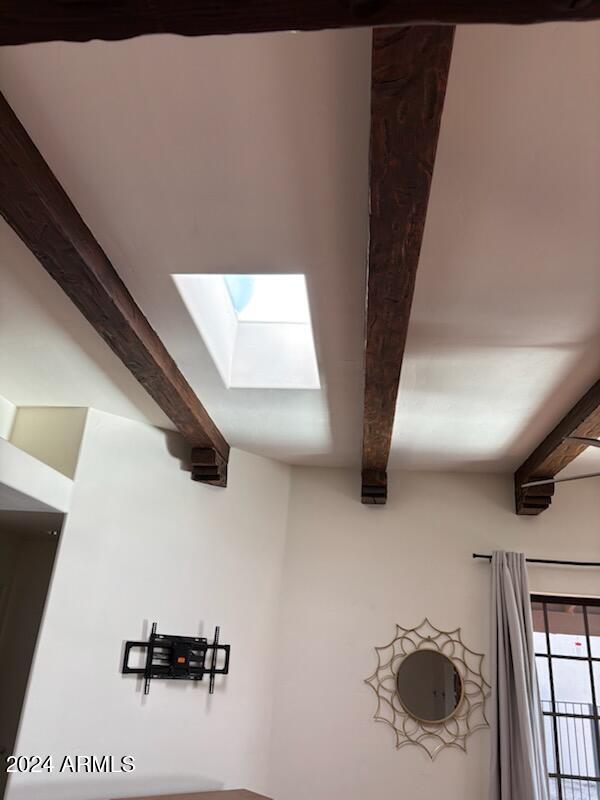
249 154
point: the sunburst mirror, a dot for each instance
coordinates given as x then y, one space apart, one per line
430 688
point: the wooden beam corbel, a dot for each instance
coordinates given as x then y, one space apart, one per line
208 466
409 75
26 21
36 206
556 452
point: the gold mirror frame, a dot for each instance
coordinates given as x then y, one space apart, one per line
469 715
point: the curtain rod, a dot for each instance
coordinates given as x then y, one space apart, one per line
548 561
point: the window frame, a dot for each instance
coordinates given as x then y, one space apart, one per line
554 714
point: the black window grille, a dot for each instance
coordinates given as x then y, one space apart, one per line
567 646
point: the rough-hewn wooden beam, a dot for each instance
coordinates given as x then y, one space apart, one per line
23 21
555 452
409 75
35 205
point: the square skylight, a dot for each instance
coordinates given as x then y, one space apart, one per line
257 328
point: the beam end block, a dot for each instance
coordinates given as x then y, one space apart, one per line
208 466
532 500
374 487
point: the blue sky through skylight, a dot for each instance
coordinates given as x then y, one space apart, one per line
240 288
269 298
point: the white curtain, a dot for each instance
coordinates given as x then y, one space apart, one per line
519 769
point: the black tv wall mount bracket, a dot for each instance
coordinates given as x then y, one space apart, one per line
178 658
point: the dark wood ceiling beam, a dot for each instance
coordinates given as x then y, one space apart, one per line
556 452
409 75
23 21
36 206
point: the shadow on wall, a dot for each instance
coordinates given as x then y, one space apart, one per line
108 788
26 562
177 447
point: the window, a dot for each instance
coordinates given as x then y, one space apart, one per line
567 646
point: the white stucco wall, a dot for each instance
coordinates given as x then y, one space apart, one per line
143 542
352 572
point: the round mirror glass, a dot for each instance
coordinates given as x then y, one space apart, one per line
429 686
